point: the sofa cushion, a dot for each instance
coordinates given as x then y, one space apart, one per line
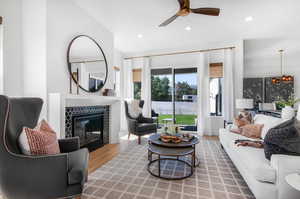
253 159
143 127
268 122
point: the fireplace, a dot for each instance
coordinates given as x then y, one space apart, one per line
90 124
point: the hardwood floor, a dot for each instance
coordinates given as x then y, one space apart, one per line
101 156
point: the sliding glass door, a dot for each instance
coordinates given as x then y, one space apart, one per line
161 94
174 95
185 96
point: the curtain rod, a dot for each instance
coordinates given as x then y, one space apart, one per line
178 53
86 61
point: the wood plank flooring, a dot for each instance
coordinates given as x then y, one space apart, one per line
101 156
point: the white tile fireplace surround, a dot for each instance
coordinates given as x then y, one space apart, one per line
58 103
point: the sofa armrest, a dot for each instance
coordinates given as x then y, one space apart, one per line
285 165
68 145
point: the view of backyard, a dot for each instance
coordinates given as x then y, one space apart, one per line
179 99
180 119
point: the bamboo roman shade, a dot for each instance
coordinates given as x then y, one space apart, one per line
216 70
137 75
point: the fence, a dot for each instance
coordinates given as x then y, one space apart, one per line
182 108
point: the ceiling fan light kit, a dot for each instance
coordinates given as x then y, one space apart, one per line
185 10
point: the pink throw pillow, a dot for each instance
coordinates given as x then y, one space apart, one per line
41 140
252 130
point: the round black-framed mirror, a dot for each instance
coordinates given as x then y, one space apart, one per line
87 64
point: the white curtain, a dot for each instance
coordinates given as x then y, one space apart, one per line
228 88
203 93
127 79
146 87
1 61
126 89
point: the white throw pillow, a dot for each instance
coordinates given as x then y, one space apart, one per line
134 108
268 122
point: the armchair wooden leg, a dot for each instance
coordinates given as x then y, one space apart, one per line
139 140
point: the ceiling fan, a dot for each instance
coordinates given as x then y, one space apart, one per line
185 10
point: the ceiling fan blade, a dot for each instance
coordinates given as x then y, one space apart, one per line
181 3
184 3
207 11
168 21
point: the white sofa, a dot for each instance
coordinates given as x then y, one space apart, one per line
265 178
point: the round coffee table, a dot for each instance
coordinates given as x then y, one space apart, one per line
171 152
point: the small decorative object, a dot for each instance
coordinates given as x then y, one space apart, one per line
187 137
283 78
110 92
170 138
105 92
244 104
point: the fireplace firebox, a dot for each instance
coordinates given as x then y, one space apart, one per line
90 124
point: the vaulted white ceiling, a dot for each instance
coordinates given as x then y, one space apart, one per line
129 18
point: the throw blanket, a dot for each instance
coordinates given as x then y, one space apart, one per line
283 139
251 143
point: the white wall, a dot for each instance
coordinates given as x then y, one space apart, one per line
262 58
12 47
34 50
62 27
1 60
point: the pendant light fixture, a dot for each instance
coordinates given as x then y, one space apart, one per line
283 78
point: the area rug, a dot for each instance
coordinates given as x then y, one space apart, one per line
126 177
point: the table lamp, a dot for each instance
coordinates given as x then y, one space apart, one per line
244 104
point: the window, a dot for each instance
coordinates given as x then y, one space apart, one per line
137 83
216 82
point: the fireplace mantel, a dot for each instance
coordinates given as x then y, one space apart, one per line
58 102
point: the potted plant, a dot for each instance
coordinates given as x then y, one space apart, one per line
288 111
289 103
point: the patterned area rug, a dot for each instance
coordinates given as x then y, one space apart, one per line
126 177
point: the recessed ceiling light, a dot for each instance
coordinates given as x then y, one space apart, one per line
248 19
140 36
188 28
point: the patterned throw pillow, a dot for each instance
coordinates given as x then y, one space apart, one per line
281 139
252 130
41 140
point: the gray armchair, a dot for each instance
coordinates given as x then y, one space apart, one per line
36 177
139 126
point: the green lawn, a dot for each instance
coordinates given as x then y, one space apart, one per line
180 119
